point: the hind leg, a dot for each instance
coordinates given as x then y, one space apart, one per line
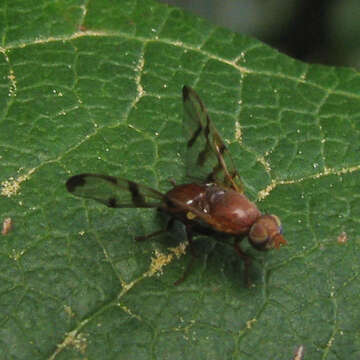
189 236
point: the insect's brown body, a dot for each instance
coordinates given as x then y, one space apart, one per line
213 202
228 211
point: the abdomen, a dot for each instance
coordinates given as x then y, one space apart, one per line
233 213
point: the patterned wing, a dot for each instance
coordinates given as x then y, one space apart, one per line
114 192
207 157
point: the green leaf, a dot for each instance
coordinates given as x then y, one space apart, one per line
96 87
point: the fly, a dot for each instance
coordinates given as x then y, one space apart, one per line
212 202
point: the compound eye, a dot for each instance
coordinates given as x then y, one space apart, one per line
278 223
277 220
266 233
258 235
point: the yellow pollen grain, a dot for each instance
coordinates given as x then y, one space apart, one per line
158 262
190 215
11 186
179 250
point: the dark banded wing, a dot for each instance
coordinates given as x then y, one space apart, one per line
207 157
114 192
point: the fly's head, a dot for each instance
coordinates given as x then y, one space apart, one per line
266 233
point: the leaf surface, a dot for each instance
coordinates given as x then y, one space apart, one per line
96 87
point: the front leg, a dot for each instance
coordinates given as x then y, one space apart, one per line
247 261
156 233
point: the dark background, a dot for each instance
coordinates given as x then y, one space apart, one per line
316 31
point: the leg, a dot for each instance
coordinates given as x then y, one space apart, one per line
172 182
189 236
247 262
156 233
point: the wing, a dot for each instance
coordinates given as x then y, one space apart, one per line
114 192
206 154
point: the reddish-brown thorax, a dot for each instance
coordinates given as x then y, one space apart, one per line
226 210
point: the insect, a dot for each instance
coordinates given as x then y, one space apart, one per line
212 203
299 354
7 226
342 238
